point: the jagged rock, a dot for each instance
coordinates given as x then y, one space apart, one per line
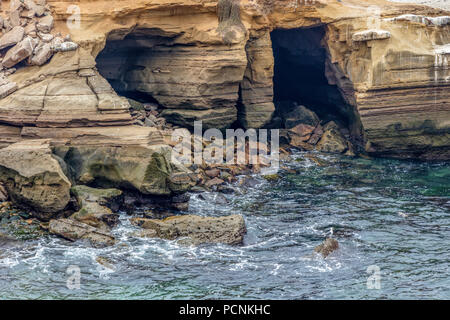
74 230
327 247
95 206
45 24
332 140
34 178
302 131
396 91
19 52
42 54
12 37
316 136
195 229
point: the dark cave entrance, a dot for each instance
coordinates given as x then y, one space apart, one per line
300 78
128 61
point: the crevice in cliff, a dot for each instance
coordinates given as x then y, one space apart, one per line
300 78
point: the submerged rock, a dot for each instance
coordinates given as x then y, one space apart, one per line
327 247
74 230
195 229
94 206
33 177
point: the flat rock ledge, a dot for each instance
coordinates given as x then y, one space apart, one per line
195 230
72 230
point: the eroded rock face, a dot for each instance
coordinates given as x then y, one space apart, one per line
95 206
195 229
33 177
216 65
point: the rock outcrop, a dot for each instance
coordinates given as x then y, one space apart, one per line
72 230
195 229
34 178
387 70
94 206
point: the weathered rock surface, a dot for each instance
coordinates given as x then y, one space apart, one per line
95 206
128 157
332 140
72 230
12 37
195 67
33 177
195 229
327 247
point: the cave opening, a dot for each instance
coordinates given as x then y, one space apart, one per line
300 78
129 63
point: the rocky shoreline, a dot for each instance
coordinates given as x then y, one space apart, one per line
86 133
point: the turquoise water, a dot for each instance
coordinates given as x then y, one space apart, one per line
386 213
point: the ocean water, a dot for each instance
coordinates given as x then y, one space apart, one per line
388 215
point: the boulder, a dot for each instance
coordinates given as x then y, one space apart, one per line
95 206
300 115
33 177
327 247
12 37
65 46
45 24
74 230
332 140
316 136
195 229
300 134
42 54
19 52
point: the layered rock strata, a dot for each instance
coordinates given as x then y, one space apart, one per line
204 60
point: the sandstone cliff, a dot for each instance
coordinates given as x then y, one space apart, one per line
385 67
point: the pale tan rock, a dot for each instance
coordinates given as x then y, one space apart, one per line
74 230
42 54
45 24
195 230
7 88
19 52
34 178
12 37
